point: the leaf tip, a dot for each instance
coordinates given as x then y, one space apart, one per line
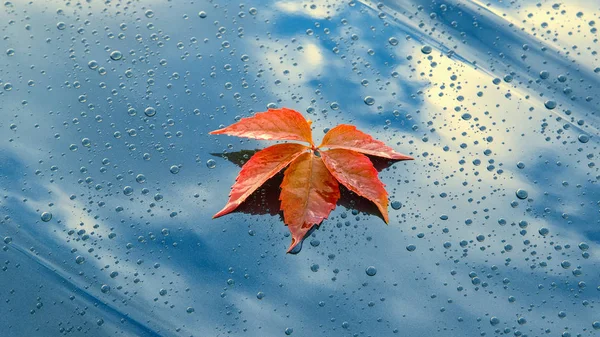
226 210
384 213
403 157
295 246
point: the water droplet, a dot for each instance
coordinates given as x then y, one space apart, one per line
116 55
550 105
521 194
426 49
150 111
369 100
46 216
396 204
202 14
371 271
128 190
211 164
411 248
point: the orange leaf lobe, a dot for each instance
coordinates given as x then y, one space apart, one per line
355 171
274 124
261 167
308 194
348 137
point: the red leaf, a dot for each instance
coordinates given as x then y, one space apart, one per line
261 166
310 187
278 124
347 137
308 194
357 173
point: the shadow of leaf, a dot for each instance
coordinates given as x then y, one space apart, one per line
265 200
239 158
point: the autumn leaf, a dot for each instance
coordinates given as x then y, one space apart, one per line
310 187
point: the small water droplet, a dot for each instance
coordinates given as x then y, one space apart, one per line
46 216
116 55
550 105
150 111
521 194
396 204
369 100
371 271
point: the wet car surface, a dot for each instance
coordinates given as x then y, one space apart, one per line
109 178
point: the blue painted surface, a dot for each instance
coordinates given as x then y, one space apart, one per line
74 135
